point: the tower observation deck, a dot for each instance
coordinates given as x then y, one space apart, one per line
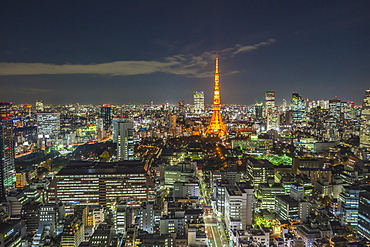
216 127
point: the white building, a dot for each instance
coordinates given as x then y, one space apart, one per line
124 136
146 217
239 206
198 102
48 124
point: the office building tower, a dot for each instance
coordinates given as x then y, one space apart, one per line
73 232
288 208
199 102
363 215
27 109
30 214
105 113
182 107
48 124
184 190
272 121
269 102
145 217
284 106
365 122
103 236
124 135
52 214
39 106
101 183
219 194
335 110
298 108
5 108
173 223
7 167
266 194
349 200
124 216
259 110
216 127
260 171
239 201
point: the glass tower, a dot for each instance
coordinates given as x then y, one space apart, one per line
298 108
7 169
365 122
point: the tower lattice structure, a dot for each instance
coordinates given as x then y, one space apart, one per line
216 127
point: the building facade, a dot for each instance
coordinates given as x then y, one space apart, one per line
7 153
101 183
365 122
124 131
298 108
48 124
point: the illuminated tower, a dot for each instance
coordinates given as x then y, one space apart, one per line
365 122
216 127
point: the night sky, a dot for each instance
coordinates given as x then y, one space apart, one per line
120 52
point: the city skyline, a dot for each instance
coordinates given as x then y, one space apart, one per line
125 52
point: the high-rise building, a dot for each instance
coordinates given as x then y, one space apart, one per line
48 124
5 108
365 122
269 102
39 106
198 102
272 121
216 127
7 168
105 113
298 108
73 232
260 171
239 206
349 200
363 215
259 110
182 107
124 136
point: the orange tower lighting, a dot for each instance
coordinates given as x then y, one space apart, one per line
216 127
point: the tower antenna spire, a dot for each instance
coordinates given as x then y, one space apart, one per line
216 127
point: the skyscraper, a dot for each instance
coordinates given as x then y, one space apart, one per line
106 114
198 102
365 122
7 169
259 110
216 127
5 109
182 107
298 108
269 102
125 140
39 106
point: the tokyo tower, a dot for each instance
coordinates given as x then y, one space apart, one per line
216 127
